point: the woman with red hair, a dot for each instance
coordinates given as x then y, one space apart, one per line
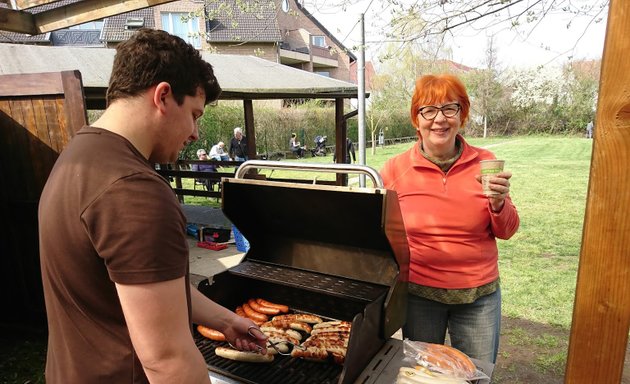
451 225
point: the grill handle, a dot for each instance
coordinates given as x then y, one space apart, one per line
331 168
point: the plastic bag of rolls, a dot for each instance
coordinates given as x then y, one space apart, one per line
437 363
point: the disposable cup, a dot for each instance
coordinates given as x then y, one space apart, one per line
489 169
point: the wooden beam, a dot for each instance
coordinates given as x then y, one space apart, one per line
17 21
25 4
31 84
69 15
601 314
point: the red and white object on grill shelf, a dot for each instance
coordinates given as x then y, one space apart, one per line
437 363
301 335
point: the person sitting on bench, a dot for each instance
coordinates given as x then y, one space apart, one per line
295 146
217 152
202 155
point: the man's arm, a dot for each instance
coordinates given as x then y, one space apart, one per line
157 318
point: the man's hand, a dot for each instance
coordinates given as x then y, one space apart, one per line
244 335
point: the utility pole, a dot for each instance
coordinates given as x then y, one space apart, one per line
361 106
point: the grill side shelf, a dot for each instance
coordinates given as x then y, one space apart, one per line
311 281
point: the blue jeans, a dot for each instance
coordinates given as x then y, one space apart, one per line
473 328
238 158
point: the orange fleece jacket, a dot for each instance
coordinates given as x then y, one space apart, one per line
450 228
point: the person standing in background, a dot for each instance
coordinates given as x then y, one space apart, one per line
238 145
451 225
589 130
112 235
350 153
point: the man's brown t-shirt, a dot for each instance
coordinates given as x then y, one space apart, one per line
105 216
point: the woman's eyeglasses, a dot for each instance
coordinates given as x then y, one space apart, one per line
430 111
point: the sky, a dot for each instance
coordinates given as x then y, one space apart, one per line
550 43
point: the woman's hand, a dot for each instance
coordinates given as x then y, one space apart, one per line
244 335
500 183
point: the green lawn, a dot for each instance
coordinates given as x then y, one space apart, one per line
539 264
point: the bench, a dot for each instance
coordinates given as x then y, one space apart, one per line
226 169
182 170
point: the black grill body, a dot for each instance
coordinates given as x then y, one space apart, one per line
343 257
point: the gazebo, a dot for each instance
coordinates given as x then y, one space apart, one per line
245 78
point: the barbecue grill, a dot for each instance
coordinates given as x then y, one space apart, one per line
334 251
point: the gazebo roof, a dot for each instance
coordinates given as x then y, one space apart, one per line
240 77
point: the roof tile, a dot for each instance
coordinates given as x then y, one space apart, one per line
242 22
114 26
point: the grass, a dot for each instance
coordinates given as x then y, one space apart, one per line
539 263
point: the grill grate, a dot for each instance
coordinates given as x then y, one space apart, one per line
284 369
333 285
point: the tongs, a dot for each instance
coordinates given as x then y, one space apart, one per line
274 345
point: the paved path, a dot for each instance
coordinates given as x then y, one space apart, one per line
205 262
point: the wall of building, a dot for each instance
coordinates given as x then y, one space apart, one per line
183 6
267 51
290 24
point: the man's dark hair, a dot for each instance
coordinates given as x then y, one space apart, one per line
152 56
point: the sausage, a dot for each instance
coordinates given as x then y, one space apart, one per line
321 342
276 337
338 328
239 311
303 317
210 333
297 325
283 308
289 332
261 308
281 347
256 316
249 357
333 323
330 335
310 353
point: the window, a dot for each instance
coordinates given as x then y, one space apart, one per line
95 25
187 29
319 41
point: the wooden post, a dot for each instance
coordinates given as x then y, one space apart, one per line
340 139
250 133
601 315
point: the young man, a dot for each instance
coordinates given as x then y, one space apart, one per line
113 246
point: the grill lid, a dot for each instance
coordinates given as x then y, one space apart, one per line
349 232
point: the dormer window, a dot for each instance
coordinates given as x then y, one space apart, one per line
134 22
318 41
